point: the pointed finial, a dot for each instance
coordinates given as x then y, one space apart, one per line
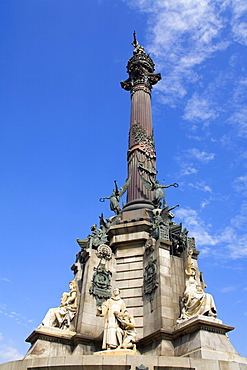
138 48
135 42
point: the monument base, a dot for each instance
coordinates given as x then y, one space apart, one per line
123 362
117 351
198 343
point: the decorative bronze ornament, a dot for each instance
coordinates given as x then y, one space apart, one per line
140 69
150 279
101 283
104 252
143 142
142 367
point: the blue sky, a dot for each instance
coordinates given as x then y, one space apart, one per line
64 133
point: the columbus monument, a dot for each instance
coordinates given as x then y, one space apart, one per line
136 299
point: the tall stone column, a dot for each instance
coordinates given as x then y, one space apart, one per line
141 153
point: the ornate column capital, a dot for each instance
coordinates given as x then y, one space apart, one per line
140 68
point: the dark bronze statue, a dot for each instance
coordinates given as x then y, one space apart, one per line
116 195
140 69
161 219
153 185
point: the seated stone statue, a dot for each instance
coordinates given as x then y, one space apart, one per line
61 317
195 300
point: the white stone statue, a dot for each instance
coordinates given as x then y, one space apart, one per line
195 300
127 329
61 317
113 335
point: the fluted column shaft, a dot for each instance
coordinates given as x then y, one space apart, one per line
141 153
141 148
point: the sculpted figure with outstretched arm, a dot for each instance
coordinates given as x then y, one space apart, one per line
116 195
153 185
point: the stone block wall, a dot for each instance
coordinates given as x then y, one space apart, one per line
178 284
88 322
129 279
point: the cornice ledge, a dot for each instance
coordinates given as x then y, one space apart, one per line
188 327
85 339
157 335
129 227
61 336
51 335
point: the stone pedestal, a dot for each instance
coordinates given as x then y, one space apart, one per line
151 282
203 337
53 342
123 362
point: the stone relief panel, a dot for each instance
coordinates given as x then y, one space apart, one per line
150 279
101 280
101 284
143 141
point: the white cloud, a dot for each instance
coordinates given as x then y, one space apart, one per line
240 90
244 155
228 289
196 226
205 203
187 159
237 244
19 318
199 109
240 184
196 137
188 170
200 185
239 27
239 120
201 156
4 279
239 221
184 34
228 243
9 353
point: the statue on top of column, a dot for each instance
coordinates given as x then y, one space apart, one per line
138 48
140 69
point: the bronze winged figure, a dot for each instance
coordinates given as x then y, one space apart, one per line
116 195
